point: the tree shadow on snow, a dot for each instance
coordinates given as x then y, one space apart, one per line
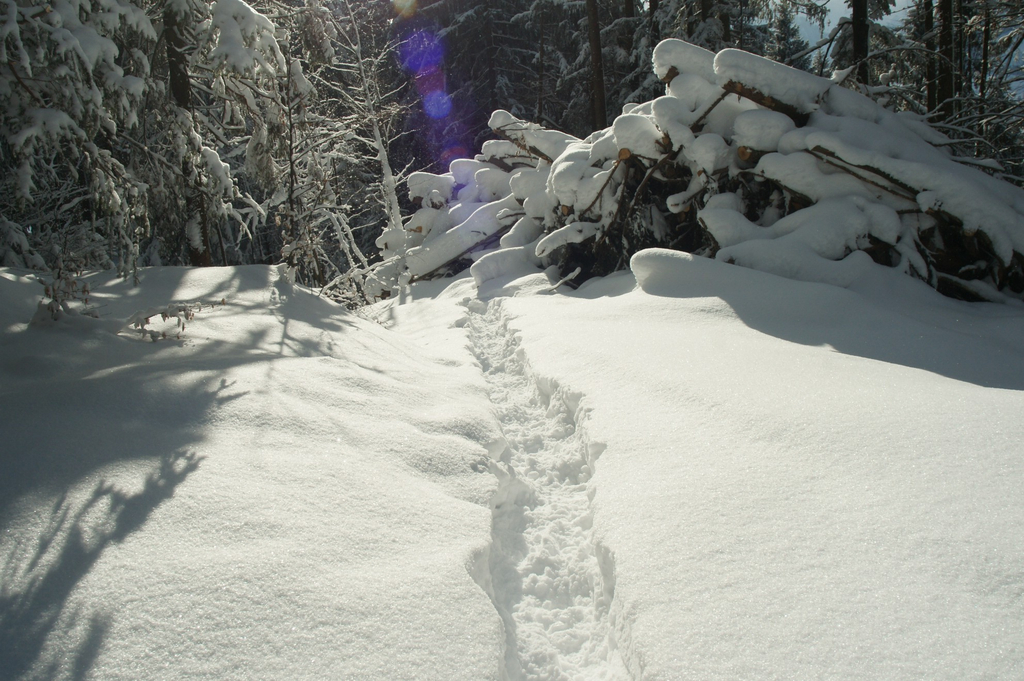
57 433
37 581
74 400
890 319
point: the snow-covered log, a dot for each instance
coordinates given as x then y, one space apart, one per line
472 208
744 160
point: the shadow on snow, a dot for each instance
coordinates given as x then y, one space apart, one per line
77 399
36 581
890 318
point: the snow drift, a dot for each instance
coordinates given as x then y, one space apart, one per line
796 480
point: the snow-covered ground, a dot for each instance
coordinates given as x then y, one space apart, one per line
690 470
289 492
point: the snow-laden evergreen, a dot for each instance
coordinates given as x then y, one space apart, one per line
224 132
744 160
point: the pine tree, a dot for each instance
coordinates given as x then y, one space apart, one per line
985 112
784 41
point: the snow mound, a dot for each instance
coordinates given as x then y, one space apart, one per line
672 57
821 174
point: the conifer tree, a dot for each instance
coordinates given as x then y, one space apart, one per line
784 41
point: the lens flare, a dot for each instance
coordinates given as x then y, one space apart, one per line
437 104
452 150
430 81
422 55
421 52
404 8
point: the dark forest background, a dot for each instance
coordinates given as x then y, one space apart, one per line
137 133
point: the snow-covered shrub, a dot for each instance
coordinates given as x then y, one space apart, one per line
180 313
742 159
62 287
15 250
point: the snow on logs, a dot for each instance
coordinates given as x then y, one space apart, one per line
744 160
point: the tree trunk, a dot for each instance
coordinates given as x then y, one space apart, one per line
741 25
958 48
702 17
944 68
599 118
180 87
293 173
198 257
177 63
986 37
389 184
540 73
490 61
929 25
860 38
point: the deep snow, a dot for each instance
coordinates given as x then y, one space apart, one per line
716 473
326 521
799 481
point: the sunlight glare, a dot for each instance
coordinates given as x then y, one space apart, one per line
404 8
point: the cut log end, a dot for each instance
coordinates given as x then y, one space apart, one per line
749 155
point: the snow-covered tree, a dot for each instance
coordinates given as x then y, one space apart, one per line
986 115
358 84
859 35
186 131
119 116
223 62
69 91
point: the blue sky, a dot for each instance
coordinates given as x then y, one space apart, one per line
840 8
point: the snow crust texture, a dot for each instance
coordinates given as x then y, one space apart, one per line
551 582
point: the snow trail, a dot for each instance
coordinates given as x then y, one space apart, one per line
550 583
